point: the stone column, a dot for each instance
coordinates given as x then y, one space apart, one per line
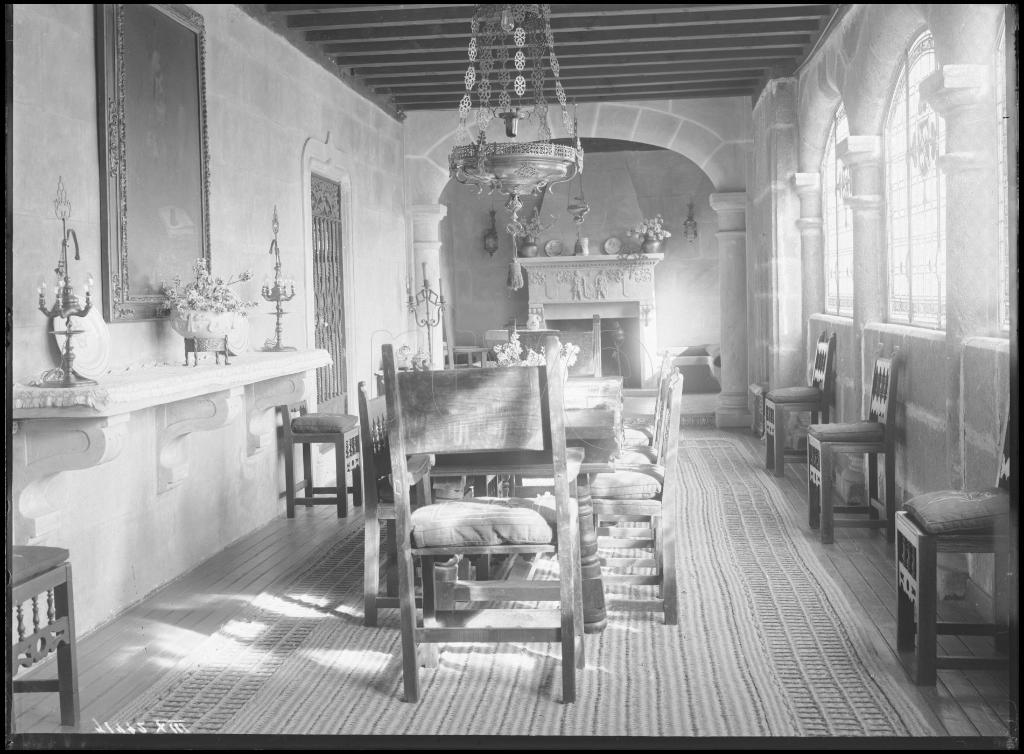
862 155
732 408
963 96
812 242
426 245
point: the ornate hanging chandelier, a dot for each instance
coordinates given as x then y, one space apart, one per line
508 47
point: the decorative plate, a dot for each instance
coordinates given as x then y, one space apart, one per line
91 346
238 337
612 246
554 248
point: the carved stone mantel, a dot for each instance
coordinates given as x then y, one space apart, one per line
581 286
593 279
58 430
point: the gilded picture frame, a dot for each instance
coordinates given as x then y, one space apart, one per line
154 153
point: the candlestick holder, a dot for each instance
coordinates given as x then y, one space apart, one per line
66 304
433 304
282 290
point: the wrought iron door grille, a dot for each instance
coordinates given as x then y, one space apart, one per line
328 292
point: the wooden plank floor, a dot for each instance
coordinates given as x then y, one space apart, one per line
120 660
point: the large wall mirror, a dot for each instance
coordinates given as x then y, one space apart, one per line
154 180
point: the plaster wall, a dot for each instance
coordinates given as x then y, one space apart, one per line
265 100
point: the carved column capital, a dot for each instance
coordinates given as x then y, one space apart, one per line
856 150
863 155
952 87
731 208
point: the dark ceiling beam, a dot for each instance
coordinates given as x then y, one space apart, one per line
448 36
565 10
412 74
572 86
410 104
456 21
660 43
580 56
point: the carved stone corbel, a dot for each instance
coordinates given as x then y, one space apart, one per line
44 448
261 398
176 421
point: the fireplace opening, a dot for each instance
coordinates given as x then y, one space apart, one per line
622 351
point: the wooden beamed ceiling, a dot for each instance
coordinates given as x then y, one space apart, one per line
414 56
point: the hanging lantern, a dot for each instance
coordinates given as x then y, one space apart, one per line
491 237
511 50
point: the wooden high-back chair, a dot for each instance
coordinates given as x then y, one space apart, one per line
876 436
640 426
815 398
645 492
379 503
515 415
588 360
969 521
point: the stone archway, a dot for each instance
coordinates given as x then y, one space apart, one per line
714 134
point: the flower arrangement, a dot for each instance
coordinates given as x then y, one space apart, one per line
651 229
510 354
533 227
207 293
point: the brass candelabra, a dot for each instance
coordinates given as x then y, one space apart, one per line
282 290
433 308
66 304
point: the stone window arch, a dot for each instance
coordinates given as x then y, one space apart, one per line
837 221
1000 64
915 194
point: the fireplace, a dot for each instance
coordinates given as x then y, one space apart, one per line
566 292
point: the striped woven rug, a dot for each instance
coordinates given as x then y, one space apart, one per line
764 647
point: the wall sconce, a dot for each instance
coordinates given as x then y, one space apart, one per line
491 237
690 225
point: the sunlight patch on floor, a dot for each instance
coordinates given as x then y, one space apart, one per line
243 629
354 659
286 607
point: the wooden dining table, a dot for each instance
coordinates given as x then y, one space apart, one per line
596 432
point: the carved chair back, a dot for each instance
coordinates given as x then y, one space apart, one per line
1005 462
883 390
373 431
823 371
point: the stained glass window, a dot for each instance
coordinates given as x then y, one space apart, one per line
1004 185
915 197
837 222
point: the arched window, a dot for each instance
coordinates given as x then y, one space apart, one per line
837 222
1002 160
915 197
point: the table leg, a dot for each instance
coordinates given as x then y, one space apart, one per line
594 616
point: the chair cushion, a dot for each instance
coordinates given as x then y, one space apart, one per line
30 561
961 511
466 523
852 432
320 423
794 395
625 485
637 455
632 437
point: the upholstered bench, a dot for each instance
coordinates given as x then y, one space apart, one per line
964 521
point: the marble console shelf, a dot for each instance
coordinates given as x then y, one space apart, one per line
57 430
